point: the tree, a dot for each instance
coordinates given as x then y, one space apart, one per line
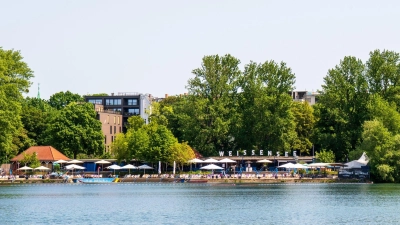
180 153
342 108
382 148
30 160
14 80
76 130
325 156
211 98
383 74
266 119
304 119
62 99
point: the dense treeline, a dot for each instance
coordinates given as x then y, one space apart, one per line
226 108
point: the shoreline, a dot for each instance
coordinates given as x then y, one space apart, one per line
209 181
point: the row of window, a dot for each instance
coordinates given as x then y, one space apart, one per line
111 101
116 119
115 129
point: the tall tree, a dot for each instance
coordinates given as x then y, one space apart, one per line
383 74
304 119
14 80
342 108
266 120
76 130
62 99
212 99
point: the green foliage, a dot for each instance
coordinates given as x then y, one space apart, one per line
14 80
325 156
76 130
342 108
304 119
30 160
99 94
61 99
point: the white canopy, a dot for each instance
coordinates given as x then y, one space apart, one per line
25 168
286 165
211 160
102 162
196 160
74 167
211 167
226 160
354 164
74 161
42 168
145 167
264 161
129 166
114 167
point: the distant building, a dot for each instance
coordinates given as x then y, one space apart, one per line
301 96
111 124
126 103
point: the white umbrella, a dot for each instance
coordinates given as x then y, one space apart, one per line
287 165
226 161
102 162
25 168
299 166
73 167
129 167
41 168
173 172
196 160
145 167
264 161
74 161
211 167
114 167
211 160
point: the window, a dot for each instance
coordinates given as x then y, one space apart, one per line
114 119
118 120
133 112
131 101
120 129
110 129
108 119
105 139
115 129
111 101
96 101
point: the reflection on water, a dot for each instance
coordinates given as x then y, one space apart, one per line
199 204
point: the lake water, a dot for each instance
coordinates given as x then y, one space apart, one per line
153 203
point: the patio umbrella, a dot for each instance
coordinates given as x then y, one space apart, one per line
74 167
211 167
129 167
318 165
74 161
195 160
41 168
286 165
211 160
299 166
264 161
114 167
226 161
102 162
60 161
25 168
145 167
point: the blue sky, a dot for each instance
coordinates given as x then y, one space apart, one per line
152 46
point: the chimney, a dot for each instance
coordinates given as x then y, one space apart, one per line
166 95
112 94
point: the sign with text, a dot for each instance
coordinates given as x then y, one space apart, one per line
254 153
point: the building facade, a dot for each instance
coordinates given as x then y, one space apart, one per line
126 103
308 96
111 124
